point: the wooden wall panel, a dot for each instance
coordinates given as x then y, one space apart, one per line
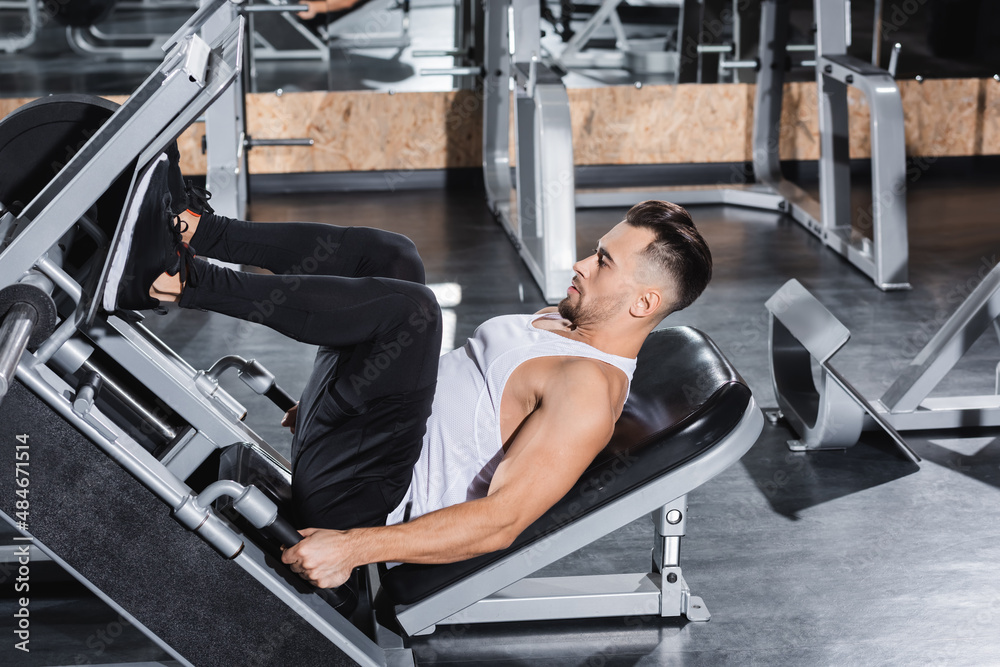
370 131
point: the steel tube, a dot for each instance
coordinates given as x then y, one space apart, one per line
738 64
272 9
452 71
14 334
253 143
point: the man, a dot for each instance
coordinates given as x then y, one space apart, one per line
519 413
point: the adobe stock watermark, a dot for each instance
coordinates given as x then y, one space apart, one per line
292 278
382 359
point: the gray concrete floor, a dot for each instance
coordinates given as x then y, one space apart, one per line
853 557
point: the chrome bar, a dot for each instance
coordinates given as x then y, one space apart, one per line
14 334
441 53
894 59
451 71
272 9
739 64
254 143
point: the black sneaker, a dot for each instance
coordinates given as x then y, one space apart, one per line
175 179
184 195
150 244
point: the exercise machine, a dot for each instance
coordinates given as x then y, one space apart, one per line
881 253
148 460
276 36
542 221
827 412
655 51
227 142
30 20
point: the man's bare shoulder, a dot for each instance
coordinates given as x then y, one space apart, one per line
581 379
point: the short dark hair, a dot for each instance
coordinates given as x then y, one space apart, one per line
678 250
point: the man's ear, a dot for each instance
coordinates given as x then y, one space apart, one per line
647 303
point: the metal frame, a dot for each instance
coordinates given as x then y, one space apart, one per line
575 55
501 591
831 414
227 142
92 41
541 223
355 29
884 257
226 168
13 43
828 412
190 78
905 405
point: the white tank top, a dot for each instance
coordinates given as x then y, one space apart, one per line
462 446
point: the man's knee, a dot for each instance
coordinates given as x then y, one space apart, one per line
396 256
423 314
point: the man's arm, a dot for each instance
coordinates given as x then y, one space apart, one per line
316 7
550 452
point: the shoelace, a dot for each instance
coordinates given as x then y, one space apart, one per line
180 226
185 262
197 198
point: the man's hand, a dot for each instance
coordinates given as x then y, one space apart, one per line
324 6
289 418
321 558
315 7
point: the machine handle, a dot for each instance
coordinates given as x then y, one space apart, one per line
344 597
282 530
280 397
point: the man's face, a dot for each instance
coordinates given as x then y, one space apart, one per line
605 284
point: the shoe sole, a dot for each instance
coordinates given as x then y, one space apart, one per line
120 253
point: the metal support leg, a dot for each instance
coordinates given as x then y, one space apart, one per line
675 596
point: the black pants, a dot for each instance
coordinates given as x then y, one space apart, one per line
358 293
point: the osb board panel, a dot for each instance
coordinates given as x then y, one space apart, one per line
941 116
611 125
659 124
364 131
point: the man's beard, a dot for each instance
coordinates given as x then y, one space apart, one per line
590 313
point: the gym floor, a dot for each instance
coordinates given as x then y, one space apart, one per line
853 557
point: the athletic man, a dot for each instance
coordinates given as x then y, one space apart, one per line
519 413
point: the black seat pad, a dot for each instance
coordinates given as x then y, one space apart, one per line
684 399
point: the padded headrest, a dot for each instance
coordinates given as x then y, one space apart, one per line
684 399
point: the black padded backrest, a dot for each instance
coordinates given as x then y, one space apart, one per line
684 399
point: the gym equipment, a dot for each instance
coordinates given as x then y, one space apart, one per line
374 24
640 55
226 138
117 425
672 437
831 414
283 38
540 216
883 256
542 223
32 22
